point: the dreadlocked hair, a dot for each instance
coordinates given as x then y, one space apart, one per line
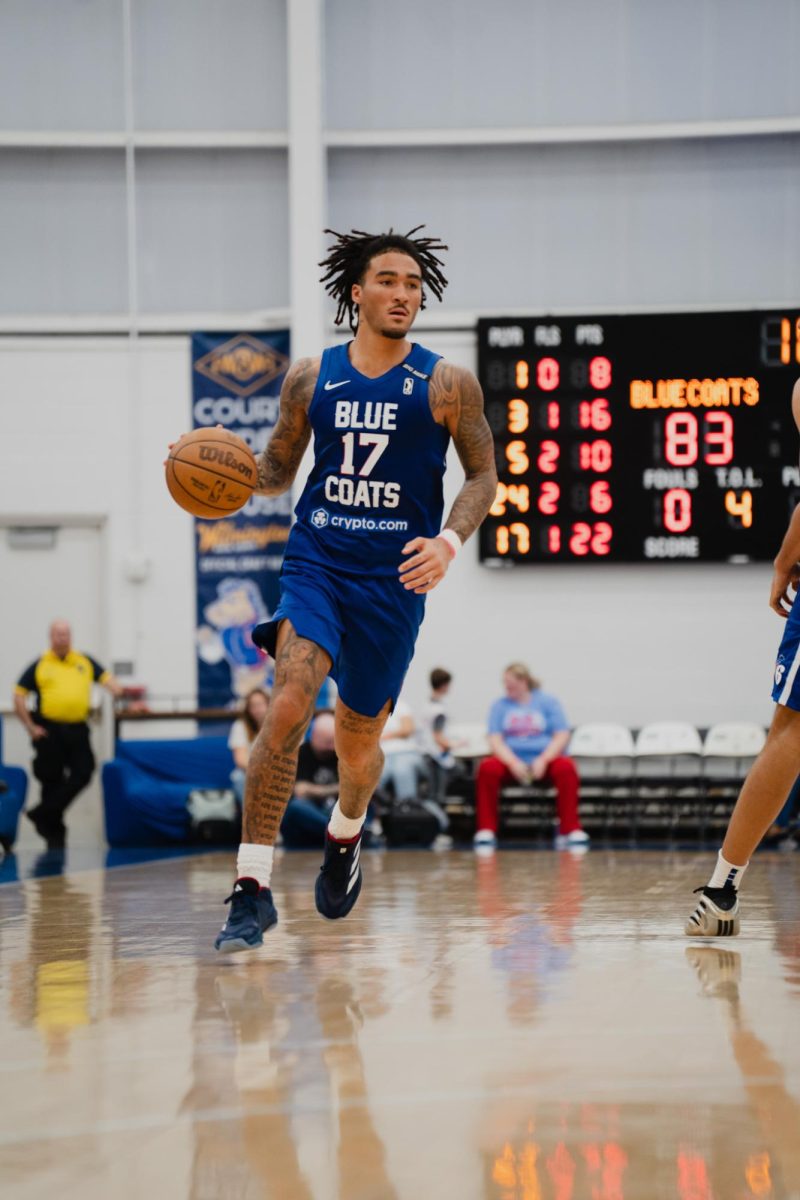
351 253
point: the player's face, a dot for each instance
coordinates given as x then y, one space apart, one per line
390 294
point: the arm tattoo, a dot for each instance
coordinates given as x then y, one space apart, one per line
456 402
278 464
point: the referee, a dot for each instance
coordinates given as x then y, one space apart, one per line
61 679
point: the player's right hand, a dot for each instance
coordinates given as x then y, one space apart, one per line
779 599
37 732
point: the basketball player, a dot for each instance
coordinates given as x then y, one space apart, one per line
777 767
366 549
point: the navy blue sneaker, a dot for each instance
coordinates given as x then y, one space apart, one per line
252 914
339 880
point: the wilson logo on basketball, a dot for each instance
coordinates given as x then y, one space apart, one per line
225 459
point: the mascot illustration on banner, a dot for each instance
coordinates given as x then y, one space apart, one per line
239 607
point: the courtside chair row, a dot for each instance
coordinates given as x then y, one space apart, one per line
666 777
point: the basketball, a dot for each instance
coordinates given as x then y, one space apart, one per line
211 473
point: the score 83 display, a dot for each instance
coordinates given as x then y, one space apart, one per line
640 438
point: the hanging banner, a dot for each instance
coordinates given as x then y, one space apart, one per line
236 383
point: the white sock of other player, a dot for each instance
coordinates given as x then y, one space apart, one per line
342 828
254 862
726 872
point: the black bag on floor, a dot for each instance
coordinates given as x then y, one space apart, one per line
408 823
214 816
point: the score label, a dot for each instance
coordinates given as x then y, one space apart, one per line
629 439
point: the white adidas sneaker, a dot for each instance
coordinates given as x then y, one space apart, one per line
710 919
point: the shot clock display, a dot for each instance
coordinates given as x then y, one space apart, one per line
641 438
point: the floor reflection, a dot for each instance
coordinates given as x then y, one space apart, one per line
525 1026
296 1071
699 1153
49 989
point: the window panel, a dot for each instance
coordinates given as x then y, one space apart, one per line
203 64
61 64
212 230
62 232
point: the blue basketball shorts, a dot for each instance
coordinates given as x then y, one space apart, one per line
367 624
786 689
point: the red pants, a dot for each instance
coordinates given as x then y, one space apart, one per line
494 775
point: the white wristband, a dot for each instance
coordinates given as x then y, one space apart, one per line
453 540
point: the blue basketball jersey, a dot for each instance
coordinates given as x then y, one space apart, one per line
379 459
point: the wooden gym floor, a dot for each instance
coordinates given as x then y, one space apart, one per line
523 1026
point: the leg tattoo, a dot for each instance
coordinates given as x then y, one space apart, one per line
360 758
300 668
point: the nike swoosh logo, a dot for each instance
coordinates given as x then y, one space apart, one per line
330 386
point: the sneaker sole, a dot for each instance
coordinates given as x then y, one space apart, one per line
350 900
724 929
233 945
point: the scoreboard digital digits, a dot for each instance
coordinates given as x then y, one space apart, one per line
640 438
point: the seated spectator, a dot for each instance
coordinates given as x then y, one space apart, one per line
316 787
433 740
242 735
405 768
528 734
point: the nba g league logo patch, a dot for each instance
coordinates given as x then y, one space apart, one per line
243 365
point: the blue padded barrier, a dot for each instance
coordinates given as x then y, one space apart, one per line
147 783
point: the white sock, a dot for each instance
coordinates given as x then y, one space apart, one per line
343 828
726 872
254 862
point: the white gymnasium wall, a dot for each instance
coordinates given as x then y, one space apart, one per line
85 428
557 62
197 235
86 424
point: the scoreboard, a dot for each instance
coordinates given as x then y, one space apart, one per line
640 438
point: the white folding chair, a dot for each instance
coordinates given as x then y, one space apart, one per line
602 751
729 750
668 771
603 755
668 750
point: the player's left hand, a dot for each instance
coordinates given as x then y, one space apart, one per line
427 567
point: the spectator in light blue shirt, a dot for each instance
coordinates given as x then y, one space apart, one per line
528 737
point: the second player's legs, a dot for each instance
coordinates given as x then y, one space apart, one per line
766 787
300 670
360 757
